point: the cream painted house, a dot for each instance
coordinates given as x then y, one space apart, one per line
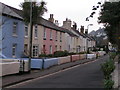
47 38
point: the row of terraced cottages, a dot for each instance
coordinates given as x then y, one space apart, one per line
47 38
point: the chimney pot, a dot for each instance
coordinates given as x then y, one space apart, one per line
82 29
51 18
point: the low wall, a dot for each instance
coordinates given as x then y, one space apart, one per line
91 56
50 62
101 53
62 60
9 68
24 64
10 60
82 56
36 63
75 57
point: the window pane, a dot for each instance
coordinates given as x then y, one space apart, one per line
26 30
36 31
14 49
15 28
35 50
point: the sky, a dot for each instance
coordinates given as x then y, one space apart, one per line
75 10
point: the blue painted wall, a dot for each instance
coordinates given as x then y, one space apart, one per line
9 39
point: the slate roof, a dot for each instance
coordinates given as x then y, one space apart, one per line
8 10
69 32
48 24
81 34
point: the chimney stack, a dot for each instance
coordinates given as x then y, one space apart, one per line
67 24
51 19
56 22
82 29
86 31
74 26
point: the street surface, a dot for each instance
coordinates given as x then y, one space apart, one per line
87 75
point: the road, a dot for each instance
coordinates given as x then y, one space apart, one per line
87 75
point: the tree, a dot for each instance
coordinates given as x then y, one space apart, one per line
110 17
31 12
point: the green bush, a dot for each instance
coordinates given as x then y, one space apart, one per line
49 55
82 53
108 84
42 55
112 55
71 53
107 68
60 53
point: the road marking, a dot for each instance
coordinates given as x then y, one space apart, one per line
28 81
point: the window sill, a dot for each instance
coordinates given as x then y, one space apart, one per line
14 35
51 39
26 36
36 37
44 38
13 56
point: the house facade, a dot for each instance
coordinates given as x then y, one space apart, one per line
12 28
47 38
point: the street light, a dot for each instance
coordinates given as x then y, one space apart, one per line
86 32
31 34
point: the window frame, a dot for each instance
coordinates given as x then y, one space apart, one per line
15 27
50 34
14 46
36 31
56 37
26 31
35 51
60 36
50 49
44 33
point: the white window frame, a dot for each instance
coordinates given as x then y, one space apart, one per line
60 48
56 47
36 31
44 33
35 51
14 50
26 31
56 37
50 51
50 34
15 26
25 48
60 36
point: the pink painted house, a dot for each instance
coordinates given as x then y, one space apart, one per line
53 37
47 38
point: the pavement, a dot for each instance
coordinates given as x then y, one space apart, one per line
116 74
119 76
17 78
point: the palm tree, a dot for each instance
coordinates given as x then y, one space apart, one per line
31 12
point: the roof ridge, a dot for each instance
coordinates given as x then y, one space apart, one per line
10 6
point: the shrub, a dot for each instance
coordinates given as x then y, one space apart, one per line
112 55
42 55
49 55
107 68
82 53
71 53
61 53
108 84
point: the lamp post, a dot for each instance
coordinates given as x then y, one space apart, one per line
30 43
86 32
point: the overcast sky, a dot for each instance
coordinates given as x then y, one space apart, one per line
76 10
